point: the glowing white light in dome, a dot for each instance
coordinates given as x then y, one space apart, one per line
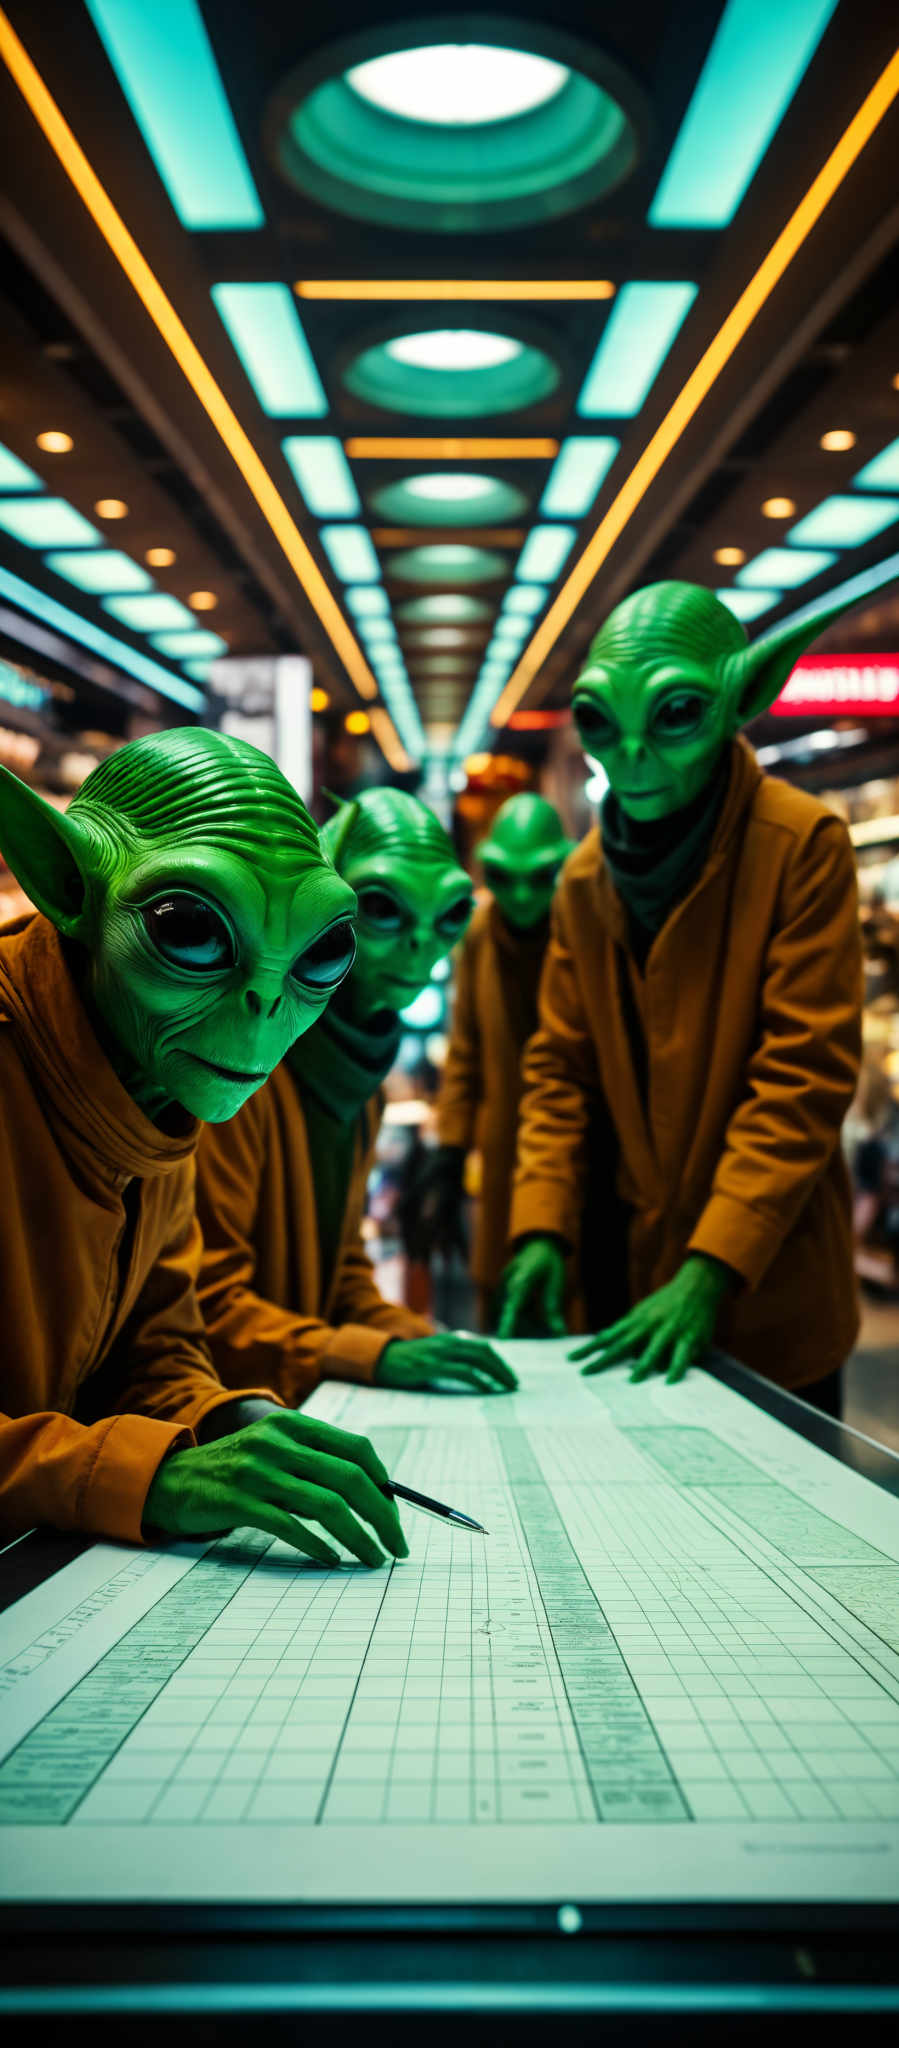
456 485
453 348
458 85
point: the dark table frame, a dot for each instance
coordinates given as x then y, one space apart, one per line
700 1974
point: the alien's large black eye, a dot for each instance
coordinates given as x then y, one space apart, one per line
189 933
679 715
595 728
381 910
328 960
494 875
455 918
544 877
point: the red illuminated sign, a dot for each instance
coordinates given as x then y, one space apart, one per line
841 686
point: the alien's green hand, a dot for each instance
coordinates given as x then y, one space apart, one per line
425 1361
263 1477
532 1291
671 1328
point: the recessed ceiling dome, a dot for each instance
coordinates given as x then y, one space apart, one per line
452 372
448 562
455 499
457 137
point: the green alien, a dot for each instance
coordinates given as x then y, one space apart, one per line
494 1014
703 986
286 1281
189 928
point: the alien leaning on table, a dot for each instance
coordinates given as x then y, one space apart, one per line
703 983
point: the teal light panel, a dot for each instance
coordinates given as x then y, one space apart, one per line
784 568
154 614
760 51
545 551
350 552
525 599
881 474
851 592
100 570
46 523
367 602
643 323
15 475
581 466
844 522
86 634
162 57
266 331
323 474
184 646
378 632
749 604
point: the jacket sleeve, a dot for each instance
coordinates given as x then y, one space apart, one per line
250 1336
802 1075
561 1086
460 1087
153 1388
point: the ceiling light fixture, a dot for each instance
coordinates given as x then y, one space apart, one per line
46 523
15 475
580 467
837 439
752 298
185 352
351 554
83 631
458 84
783 568
323 474
844 521
641 328
202 600
402 448
155 613
55 443
101 571
265 331
318 699
729 558
160 558
454 289
454 349
545 553
748 604
455 486
180 645
778 508
882 473
357 722
111 508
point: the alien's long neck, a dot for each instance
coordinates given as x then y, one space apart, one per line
153 1100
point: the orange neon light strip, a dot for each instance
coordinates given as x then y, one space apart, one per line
387 448
186 354
389 741
431 536
454 288
699 383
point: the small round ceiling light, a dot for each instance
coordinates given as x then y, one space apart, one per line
454 499
730 558
202 600
160 558
318 699
778 508
452 373
54 442
111 508
357 722
457 138
837 439
448 562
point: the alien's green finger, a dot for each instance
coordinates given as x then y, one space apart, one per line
253 1514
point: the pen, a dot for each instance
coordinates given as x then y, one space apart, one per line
432 1507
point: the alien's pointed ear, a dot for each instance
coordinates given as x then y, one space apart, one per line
339 829
48 852
756 675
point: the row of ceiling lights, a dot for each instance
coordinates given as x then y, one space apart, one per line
836 441
55 442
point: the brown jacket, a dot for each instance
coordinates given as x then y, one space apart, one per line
260 1285
750 1007
99 1250
494 1013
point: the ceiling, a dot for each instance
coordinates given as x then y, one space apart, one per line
420 366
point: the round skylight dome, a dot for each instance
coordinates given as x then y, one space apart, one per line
454 348
448 562
455 485
457 138
458 84
454 499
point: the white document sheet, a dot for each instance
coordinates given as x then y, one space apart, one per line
669 1671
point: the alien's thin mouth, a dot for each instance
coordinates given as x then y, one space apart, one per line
227 1073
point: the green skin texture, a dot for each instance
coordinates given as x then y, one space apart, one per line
668 682
521 857
209 816
414 901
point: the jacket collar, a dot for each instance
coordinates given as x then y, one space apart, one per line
745 776
94 1119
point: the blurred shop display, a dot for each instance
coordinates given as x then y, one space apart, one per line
266 699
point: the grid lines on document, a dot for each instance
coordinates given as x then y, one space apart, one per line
764 1712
